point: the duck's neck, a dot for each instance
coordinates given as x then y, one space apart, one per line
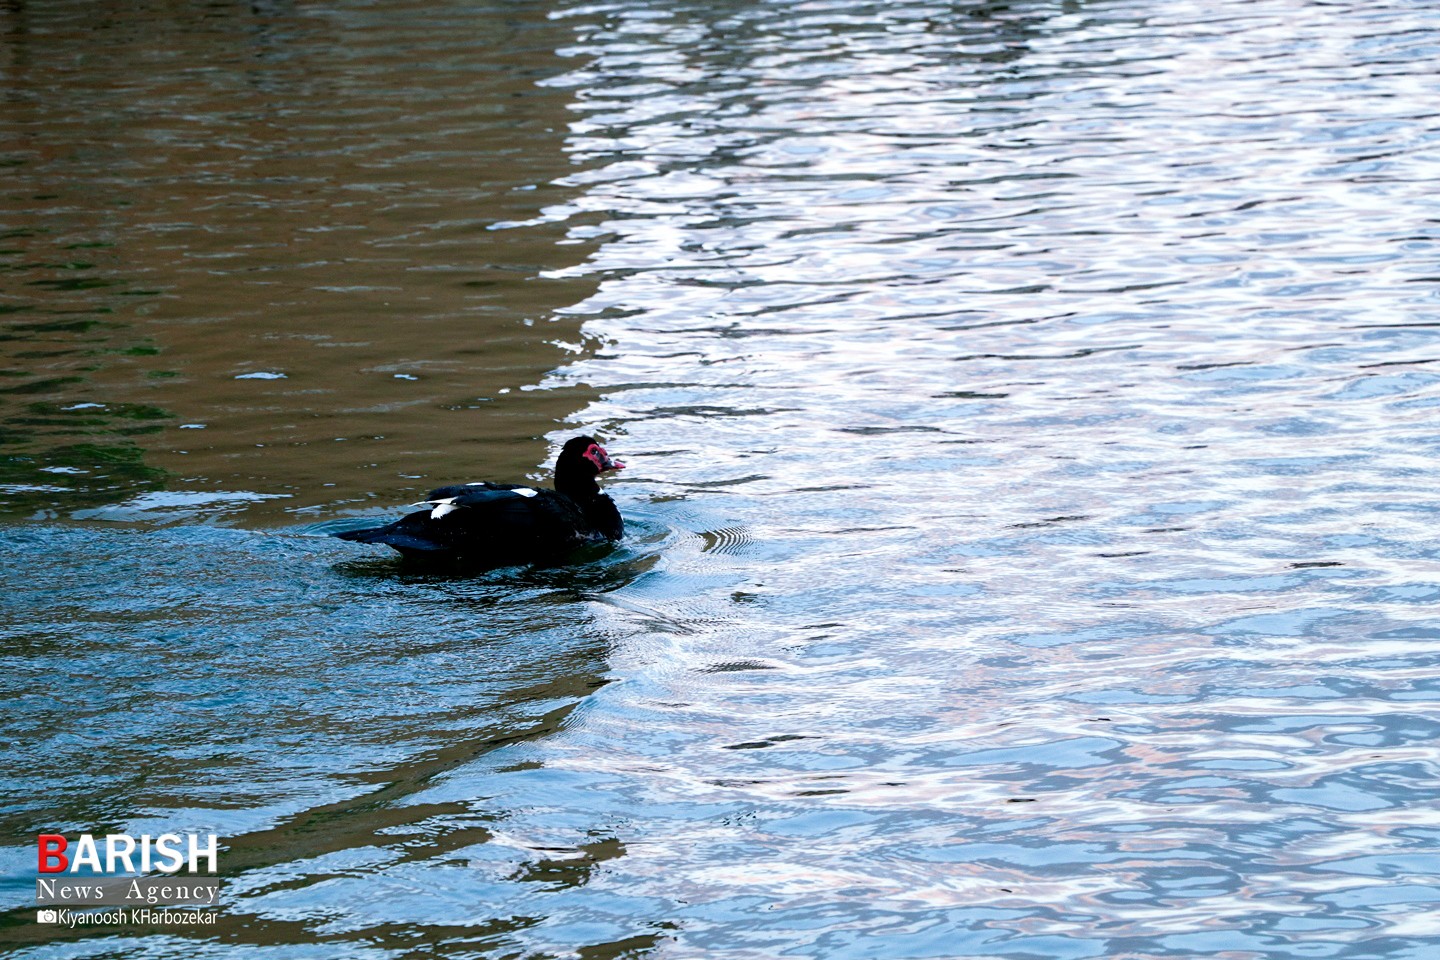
577 482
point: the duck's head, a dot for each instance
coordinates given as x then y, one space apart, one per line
589 448
581 460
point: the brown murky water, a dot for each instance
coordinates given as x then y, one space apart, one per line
289 251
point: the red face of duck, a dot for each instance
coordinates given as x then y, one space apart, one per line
596 454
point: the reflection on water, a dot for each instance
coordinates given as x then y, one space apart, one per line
250 256
1028 417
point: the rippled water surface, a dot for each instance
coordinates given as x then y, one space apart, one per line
1030 411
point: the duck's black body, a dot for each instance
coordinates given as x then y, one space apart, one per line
501 524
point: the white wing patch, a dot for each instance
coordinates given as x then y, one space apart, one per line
447 505
442 507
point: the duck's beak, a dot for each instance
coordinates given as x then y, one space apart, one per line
603 464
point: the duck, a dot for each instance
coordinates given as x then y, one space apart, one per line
510 524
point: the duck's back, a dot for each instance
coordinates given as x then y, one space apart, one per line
492 523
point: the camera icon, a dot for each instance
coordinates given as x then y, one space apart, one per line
46 916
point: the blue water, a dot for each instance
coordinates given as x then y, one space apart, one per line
1028 411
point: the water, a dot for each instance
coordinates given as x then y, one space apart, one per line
1030 490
